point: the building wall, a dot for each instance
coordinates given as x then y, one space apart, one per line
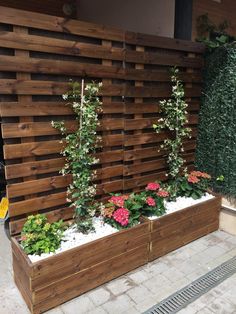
150 16
52 7
218 11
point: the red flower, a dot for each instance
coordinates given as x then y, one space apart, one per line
150 201
193 179
24 237
117 200
162 193
152 186
121 215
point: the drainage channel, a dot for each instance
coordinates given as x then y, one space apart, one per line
180 299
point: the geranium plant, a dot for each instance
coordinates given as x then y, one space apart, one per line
195 184
151 200
39 236
79 150
121 211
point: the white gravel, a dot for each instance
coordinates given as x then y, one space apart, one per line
181 203
73 238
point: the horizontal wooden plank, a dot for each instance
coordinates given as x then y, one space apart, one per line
37 186
90 278
146 138
163 91
141 181
59 67
141 153
163 42
53 165
145 167
33 168
88 255
153 107
14 109
59 46
13 151
28 129
58 24
160 76
35 204
163 59
25 87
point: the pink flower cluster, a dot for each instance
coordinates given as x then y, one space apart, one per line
162 193
117 200
121 215
150 201
152 186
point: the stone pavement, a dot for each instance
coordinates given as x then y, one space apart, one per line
139 290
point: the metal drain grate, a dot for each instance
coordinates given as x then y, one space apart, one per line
193 291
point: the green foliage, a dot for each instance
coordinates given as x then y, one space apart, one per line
174 120
212 35
39 236
79 149
216 148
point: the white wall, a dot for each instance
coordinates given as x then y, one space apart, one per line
144 16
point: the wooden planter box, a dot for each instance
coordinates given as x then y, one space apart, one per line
179 228
57 279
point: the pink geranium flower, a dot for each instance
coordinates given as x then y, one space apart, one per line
117 200
121 215
163 193
152 186
150 201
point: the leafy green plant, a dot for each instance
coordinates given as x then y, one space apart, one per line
79 150
212 35
39 236
194 185
174 120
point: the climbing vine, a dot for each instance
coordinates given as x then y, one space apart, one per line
79 150
174 120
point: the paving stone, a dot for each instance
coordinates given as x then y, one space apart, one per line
205 310
156 283
120 285
79 305
99 296
57 310
98 310
173 274
118 305
222 306
146 304
139 276
139 293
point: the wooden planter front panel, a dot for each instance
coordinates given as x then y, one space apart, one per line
179 228
57 279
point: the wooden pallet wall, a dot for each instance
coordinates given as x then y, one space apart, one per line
38 56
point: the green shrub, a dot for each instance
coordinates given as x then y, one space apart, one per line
216 147
39 236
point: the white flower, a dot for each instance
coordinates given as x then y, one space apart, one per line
65 96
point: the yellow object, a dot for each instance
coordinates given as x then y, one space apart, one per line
4 207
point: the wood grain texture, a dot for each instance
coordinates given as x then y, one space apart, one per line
41 54
80 269
179 228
